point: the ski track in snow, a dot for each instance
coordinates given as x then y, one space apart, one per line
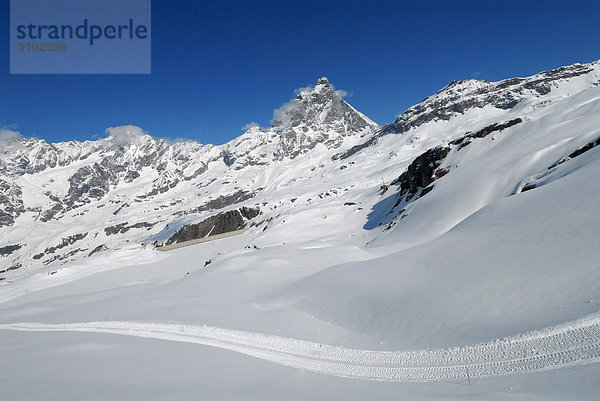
572 343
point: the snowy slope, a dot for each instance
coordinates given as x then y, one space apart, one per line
400 253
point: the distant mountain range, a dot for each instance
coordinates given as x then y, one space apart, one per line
61 202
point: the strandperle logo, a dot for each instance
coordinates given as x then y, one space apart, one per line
84 31
80 37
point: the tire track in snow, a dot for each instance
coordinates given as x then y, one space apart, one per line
572 343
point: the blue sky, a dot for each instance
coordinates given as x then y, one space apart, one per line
217 66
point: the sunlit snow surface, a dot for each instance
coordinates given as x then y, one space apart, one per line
475 261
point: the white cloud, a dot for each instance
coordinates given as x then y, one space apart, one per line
305 89
8 135
343 93
282 115
250 125
125 134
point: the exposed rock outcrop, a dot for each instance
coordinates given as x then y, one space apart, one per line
482 133
421 173
124 227
221 223
11 203
7 250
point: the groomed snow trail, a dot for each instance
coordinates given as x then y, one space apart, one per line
572 343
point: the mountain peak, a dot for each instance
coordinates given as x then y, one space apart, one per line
319 108
460 96
323 88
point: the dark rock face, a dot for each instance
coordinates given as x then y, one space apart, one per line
123 206
528 187
228 159
585 148
578 152
62 256
97 249
249 213
56 209
7 250
124 227
90 182
199 171
11 203
66 242
131 176
221 223
482 133
14 267
421 173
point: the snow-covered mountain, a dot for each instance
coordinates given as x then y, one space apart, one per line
44 183
467 229
62 201
140 179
